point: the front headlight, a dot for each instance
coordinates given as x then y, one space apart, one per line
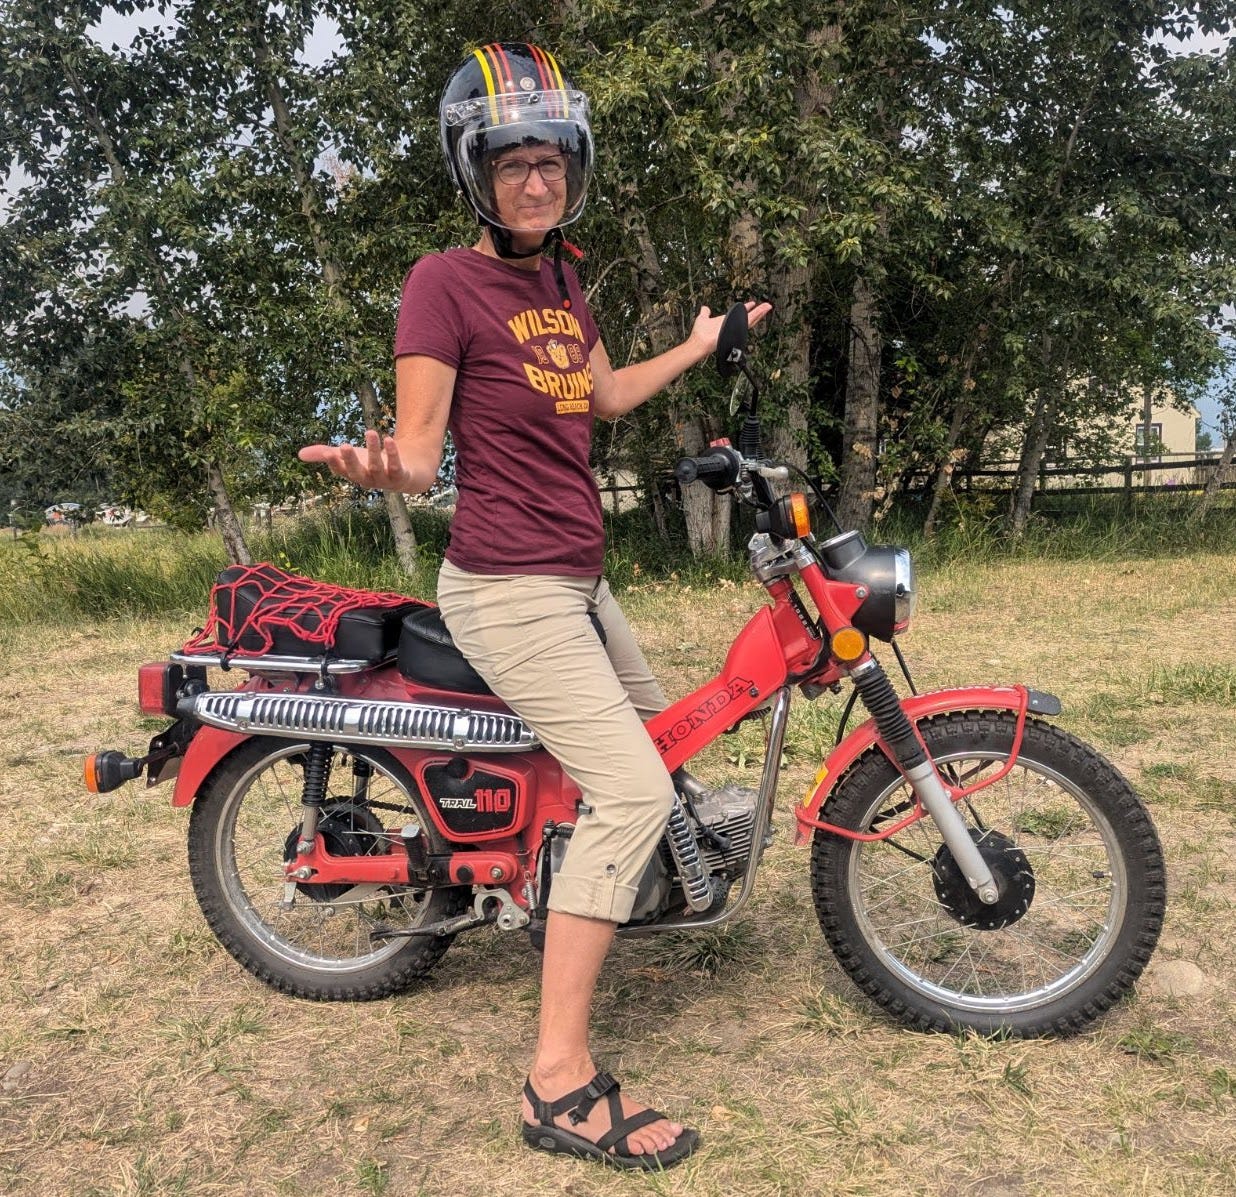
886 572
905 594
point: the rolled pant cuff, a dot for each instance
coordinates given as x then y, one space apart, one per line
592 898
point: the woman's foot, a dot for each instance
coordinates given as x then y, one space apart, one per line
582 1112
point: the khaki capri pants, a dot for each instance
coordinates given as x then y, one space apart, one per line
530 637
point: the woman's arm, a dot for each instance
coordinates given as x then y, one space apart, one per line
408 460
616 392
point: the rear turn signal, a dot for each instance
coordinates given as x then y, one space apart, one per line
105 771
848 644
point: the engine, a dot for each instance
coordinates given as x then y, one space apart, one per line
723 826
726 819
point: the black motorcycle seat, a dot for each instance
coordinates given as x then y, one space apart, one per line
243 594
428 655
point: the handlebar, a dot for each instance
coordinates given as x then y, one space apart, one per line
718 469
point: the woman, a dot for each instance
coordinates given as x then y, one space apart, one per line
496 342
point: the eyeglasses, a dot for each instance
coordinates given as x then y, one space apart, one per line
515 171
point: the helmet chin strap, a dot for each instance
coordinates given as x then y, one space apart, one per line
504 248
501 241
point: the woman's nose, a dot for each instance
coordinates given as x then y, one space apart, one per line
534 183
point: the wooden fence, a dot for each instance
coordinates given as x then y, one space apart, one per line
1169 472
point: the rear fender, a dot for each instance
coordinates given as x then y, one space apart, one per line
207 748
1017 699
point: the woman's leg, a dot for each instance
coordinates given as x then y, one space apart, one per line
625 655
532 641
575 949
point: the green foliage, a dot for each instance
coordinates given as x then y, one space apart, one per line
104 573
204 265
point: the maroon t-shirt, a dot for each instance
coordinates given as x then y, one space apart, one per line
521 415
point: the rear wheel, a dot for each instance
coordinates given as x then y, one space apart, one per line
1076 857
312 941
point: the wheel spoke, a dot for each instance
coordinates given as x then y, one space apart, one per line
1049 834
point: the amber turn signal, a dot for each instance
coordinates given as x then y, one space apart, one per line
848 644
799 515
787 519
104 771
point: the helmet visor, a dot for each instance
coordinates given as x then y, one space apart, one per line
525 160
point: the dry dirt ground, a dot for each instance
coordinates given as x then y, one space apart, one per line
137 1058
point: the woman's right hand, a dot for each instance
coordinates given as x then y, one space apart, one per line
374 466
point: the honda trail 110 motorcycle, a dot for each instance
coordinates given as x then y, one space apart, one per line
361 798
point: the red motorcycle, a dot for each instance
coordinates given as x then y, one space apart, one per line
362 797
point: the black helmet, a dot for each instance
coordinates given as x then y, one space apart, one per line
503 96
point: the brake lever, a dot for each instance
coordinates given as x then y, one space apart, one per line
774 473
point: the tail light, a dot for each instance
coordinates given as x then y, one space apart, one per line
160 685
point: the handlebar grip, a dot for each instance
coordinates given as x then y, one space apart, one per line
718 469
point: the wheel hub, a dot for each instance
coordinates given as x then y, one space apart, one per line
1011 871
347 829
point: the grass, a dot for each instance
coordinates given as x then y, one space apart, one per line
156 1065
104 573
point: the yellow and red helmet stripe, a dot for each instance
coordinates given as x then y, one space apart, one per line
506 81
556 82
499 81
489 82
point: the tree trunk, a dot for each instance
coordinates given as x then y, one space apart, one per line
1147 414
792 288
396 507
706 513
228 525
332 276
859 443
1032 450
1215 483
944 470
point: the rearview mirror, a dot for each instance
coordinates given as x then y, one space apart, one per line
732 341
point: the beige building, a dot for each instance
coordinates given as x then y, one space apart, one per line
1172 432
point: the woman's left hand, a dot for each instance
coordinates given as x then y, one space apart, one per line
707 327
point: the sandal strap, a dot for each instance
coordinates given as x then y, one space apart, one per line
617 1134
601 1085
542 1110
577 1104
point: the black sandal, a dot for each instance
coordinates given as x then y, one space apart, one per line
610 1148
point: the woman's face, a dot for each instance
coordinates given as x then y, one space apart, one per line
527 200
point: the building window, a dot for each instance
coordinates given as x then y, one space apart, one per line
1155 449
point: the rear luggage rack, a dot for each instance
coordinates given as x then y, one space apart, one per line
273 663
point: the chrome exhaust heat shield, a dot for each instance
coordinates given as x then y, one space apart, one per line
361 721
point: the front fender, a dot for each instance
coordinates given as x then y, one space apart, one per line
921 706
207 748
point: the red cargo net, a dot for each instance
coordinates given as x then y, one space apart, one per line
250 605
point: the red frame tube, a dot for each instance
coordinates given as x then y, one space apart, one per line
391 868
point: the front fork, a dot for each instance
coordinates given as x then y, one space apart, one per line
881 700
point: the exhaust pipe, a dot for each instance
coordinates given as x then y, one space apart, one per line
360 721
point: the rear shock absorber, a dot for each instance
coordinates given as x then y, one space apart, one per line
313 794
692 870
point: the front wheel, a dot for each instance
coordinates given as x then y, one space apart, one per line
1076 857
312 941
